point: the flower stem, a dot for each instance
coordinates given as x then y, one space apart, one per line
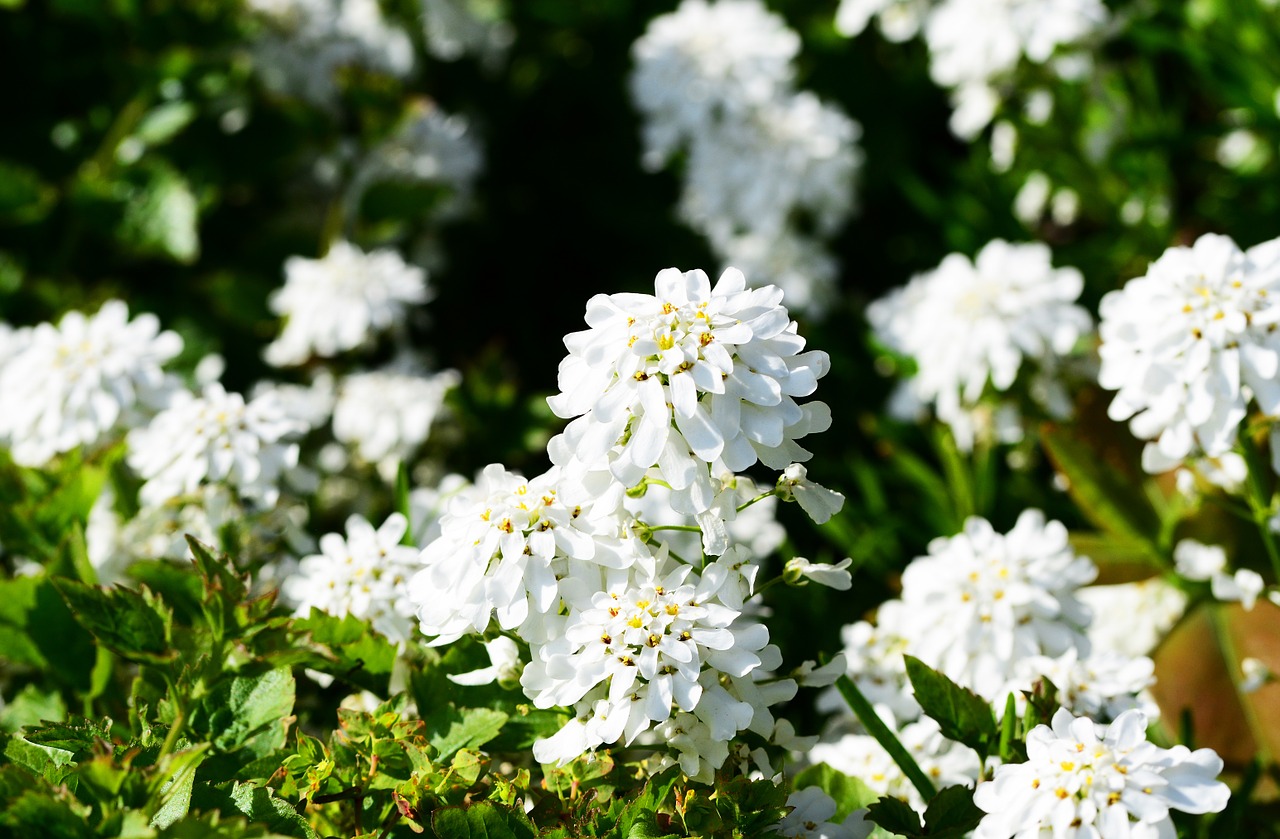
1258 494
875 726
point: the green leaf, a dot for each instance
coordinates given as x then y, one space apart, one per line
160 217
237 710
896 816
468 729
482 820
134 624
350 649
1096 482
952 814
52 764
38 630
24 198
164 122
261 805
849 793
962 715
172 800
31 706
77 736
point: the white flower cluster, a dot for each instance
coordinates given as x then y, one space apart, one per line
967 324
975 44
1189 345
1200 562
995 613
309 41
672 395
366 575
342 301
385 415
455 28
1085 779
74 384
716 79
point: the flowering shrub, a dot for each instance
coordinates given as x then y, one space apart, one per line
944 505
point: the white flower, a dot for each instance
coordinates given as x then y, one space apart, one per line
340 302
691 378
366 575
984 601
823 573
387 414
1256 674
215 438
1101 686
899 20
1098 780
427 505
816 500
1180 344
72 384
970 323
1244 586
1197 561
810 817
504 665
1132 618
652 642
455 28
755 528
503 544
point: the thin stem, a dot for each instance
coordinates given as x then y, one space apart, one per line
690 528
957 471
759 497
875 726
1258 494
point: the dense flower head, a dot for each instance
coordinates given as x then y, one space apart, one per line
341 301
1181 344
366 575
504 541
653 640
986 600
969 323
215 437
387 414
690 377
1085 779
1101 686
1132 618
72 384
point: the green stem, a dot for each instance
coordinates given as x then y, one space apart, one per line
690 528
1258 494
875 726
760 497
1231 657
959 479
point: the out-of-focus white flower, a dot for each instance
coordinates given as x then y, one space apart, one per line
970 323
1244 586
874 654
816 500
899 20
1032 198
984 601
215 438
311 404
835 576
504 665
113 544
1238 148
427 505
809 675
366 575
387 414
1004 145
309 41
810 818
455 28
1256 674
1227 473
1132 618
695 381
340 302
1106 780
1181 344
1197 561
72 384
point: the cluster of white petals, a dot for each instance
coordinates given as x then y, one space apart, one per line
215 438
716 79
974 45
309 41
366 575
342 301
72 384
1189 344
1200 562
970 323
1085 779
454 28
811 814
387 414
695 381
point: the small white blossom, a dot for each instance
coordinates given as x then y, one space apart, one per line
1256 674
72 384
1186 344
811 814
1098 780
695 381
366 575
816 500
387 414
455 28
970 323
824 574
504 665
340 302
215 438
1243 586
1197 561
1100 686
899 20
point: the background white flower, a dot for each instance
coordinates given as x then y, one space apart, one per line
387 414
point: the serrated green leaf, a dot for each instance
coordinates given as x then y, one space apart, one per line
849 793
468 729
77 736
482 820
133 624
896 816
172 800
50 763
31 706
240 709
962 715
351 650
952 814
261 805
